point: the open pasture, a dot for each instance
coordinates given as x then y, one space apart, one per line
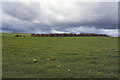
59 57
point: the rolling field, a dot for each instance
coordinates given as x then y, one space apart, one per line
59 57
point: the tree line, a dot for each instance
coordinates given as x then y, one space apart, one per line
67 35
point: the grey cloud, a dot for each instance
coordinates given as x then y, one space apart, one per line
0 15
47 16
100 15
21 10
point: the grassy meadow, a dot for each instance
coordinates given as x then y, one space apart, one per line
59 57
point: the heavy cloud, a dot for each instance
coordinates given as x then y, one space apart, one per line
59 17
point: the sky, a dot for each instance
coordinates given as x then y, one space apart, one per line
55 16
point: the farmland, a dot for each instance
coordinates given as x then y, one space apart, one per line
59 57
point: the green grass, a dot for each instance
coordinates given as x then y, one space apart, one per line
87 57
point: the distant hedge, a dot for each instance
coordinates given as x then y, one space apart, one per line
69 35
65 35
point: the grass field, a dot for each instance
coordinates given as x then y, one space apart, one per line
59 57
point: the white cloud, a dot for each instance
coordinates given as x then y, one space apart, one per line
55 31
112 32
82 29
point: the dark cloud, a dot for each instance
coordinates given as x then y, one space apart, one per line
46 17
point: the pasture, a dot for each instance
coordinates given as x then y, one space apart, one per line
59 57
